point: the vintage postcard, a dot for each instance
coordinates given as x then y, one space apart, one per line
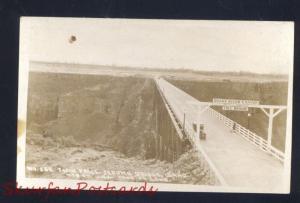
155 105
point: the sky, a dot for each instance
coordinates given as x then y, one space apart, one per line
260 47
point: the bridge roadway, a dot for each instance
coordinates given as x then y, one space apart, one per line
239 162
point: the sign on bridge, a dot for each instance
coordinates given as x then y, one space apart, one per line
235 108
235 102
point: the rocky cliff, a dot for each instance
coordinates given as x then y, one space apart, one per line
114 111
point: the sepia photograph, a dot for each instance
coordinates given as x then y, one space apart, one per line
181 105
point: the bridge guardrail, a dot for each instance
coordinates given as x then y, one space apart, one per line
176 111
248 135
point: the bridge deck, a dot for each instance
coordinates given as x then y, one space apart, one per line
239 162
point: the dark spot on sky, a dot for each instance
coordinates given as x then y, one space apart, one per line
72 39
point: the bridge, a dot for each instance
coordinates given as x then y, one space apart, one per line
238 158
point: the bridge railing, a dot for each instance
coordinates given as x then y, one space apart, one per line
211 172
175 110
248 135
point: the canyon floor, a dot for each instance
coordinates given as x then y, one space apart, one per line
57 160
